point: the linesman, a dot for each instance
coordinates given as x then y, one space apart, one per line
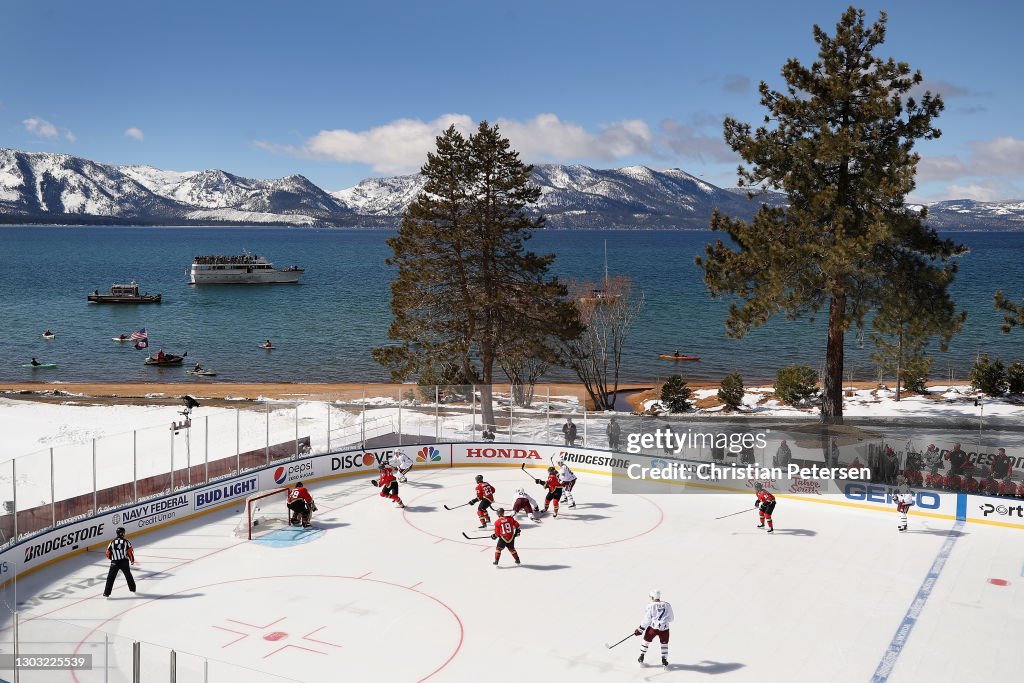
120 554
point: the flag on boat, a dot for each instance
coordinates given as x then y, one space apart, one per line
141 344
139 334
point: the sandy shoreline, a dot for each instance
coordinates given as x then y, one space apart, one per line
157 392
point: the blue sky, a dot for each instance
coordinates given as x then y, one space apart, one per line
340 91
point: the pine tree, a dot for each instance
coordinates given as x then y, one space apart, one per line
466 285
906 322
1014 312
839 141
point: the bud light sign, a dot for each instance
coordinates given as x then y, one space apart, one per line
216 495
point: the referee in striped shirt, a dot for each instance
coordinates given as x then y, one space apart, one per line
120 554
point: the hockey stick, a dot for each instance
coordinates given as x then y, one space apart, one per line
736 513
475 538
457 506
523 467
620 642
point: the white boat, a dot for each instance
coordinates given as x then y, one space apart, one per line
246 269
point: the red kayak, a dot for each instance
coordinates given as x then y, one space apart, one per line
670 357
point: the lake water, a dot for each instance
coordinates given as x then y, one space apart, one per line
326 326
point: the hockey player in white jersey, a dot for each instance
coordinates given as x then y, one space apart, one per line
903 499
568 480
402 464
657 618
524 501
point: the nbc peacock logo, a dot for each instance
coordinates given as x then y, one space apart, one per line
428 454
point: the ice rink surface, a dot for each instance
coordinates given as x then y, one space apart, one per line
387 594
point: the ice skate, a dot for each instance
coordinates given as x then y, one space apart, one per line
517 561
402 479
761 525
771 530
664 661
495 563
640 659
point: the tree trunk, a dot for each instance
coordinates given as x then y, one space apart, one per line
832 384
486 405
899 365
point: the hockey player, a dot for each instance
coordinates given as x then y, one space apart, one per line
765 505
388 484
567 479
554 488
301 506
525 502
506 530
657 618
485 498
401 463
903 499
971 485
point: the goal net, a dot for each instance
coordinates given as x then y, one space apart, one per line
264 512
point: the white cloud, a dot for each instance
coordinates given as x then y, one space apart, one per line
69 136
548 138
397 147
401 146
981 193
134 132
41 128
991 170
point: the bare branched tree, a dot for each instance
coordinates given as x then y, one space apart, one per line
607 314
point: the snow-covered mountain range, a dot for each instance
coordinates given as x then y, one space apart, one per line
40 187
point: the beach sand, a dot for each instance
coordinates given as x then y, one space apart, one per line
156 392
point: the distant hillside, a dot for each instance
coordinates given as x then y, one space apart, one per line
58 188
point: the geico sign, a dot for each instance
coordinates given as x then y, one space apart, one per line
876 493
1001 510
510 453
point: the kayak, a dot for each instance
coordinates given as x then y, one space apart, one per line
267 348
201 373
118 339
49 336
679 357
41 365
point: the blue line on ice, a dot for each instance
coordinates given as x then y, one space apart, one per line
892 653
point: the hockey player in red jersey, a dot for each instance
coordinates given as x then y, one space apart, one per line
485 499
554 487
388 483
765 505
301 506
506 530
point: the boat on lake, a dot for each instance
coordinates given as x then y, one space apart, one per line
246 269
124 294
163 359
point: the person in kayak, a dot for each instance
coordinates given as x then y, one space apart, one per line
47 333
197 368
35 362
268 345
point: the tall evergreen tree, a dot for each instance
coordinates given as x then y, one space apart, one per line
839 141
466 286
907 321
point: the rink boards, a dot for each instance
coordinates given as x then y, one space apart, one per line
96 531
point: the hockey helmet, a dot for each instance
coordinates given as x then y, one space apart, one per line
501 512
552 470
758 486
120 531
655 594
931 447
298 484
479 478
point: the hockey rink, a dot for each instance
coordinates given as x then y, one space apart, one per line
385 594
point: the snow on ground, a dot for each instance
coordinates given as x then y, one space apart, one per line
881 402
399 595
